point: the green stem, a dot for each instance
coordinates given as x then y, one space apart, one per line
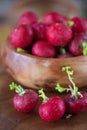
19 50
84 45
42 94
72 88
18 89
62 50
69 23
73 84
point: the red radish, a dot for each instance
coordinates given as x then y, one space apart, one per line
85 24
43 49
54 17
25 100
51 109
78 45
39 31
76 101
80 25
21 36
28 18
59 34
76 104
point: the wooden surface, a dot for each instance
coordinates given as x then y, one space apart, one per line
10 119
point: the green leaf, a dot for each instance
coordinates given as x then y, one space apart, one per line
59 88
66 68
18 89
12 86
71 72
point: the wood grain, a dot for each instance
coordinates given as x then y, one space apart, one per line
10 119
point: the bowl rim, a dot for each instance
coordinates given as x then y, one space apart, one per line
7 42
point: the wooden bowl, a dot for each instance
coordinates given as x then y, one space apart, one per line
35 72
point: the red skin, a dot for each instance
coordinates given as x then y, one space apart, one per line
75 47
76 106
21 36
52 110
80 25
43 49
85 24
26 102
39 31
28 18
59 34
54 17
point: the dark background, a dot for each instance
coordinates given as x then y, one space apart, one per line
6 6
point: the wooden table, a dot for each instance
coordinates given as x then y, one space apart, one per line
10 119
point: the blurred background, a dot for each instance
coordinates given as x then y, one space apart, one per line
10 11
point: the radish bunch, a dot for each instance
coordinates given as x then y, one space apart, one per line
46 37
51 108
